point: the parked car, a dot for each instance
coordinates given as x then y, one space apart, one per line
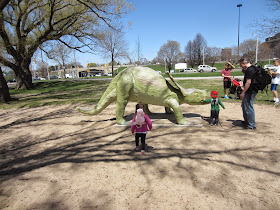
53 77
269 66
109 74
97 75
190 70
11 80
206 68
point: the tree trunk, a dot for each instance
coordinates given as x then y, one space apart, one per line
169 66
23 78
4 89
112 66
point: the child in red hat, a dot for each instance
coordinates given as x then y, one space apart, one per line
215 108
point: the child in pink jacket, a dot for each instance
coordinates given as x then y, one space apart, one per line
140 129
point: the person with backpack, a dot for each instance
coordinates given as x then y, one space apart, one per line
249 93
215 108
140 125
275 74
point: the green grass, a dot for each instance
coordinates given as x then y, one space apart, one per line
90 91
56 93
217 84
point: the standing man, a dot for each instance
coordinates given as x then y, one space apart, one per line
248 94
275 74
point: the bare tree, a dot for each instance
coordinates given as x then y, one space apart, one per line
61 54
198 44
170 53
248 48
213 54
276 50
129 57
226 54
189 54
264 51
27 24
269 25
111 43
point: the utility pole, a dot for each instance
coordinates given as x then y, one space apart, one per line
164 64
257 49
239 5
203 55
76 73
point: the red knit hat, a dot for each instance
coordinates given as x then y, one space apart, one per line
214 94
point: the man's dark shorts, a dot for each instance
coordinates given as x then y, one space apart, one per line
227 84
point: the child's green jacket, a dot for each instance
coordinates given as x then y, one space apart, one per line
215 102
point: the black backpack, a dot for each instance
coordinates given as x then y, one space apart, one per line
261 79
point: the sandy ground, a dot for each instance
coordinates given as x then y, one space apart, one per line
57 158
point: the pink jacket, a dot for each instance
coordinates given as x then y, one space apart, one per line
144 128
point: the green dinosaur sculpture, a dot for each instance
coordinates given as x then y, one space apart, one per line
143 84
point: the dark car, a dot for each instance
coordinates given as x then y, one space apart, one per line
11 80
53 77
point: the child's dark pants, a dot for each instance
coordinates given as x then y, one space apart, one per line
214 114
143 138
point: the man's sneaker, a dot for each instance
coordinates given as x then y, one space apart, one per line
136 148
143 152
276 102
226 97
250 128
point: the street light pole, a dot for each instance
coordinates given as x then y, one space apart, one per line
239 5
164 64
203 55
76 72
257 46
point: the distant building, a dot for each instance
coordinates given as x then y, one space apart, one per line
273 40
274 43
226 54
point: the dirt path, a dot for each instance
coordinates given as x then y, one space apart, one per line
57 158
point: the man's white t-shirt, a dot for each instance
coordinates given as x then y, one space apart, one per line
276 80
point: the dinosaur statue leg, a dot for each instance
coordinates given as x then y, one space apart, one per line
120 107
146 108
173 103
168 110
123 91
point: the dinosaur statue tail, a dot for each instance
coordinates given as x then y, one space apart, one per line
108 97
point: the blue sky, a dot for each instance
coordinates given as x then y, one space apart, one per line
157 21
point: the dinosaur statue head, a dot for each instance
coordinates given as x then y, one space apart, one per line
193 96
190 95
